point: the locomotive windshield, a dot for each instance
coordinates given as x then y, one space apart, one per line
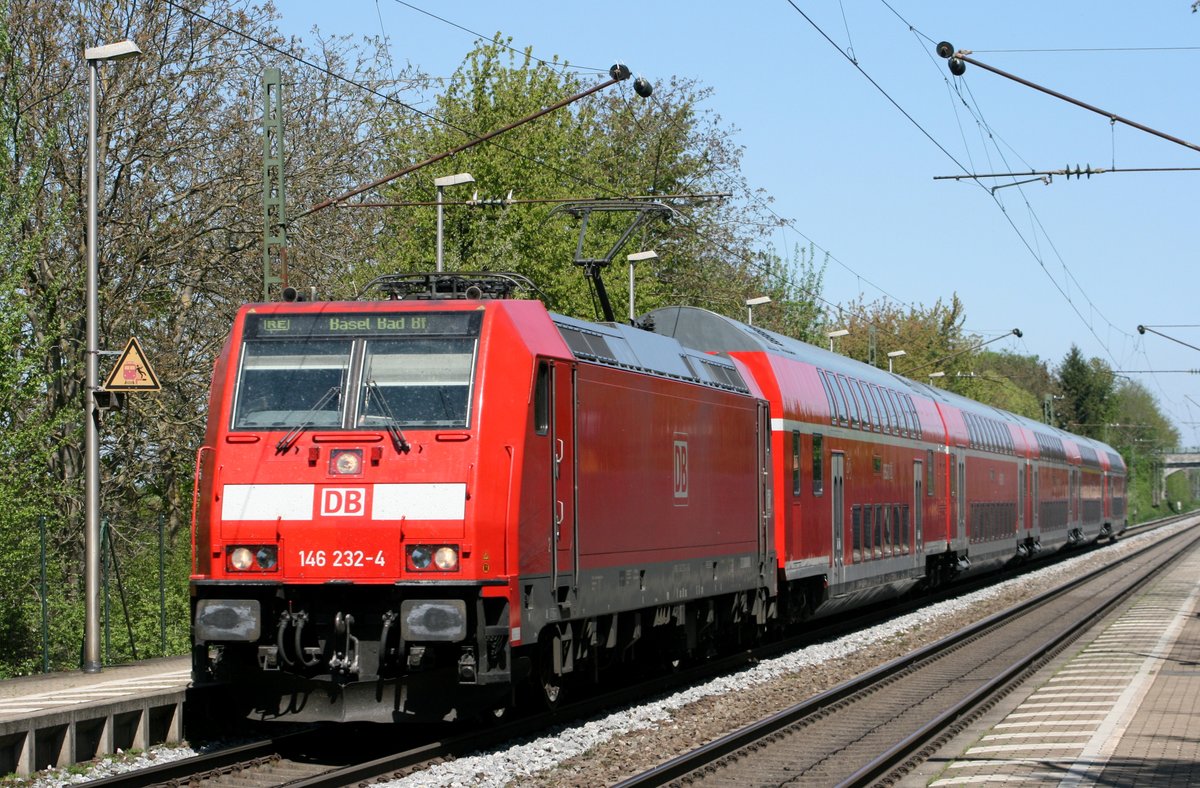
318 370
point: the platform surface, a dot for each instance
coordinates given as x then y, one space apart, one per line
1120 707
30 696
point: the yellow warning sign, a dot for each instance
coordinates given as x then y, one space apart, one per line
132 372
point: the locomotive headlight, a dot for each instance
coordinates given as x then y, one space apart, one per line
440 557
446 558
420 556
252 558
346 462
267 556
241 558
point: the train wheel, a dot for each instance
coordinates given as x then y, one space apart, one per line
549 683
551 688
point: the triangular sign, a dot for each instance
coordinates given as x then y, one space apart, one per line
132 372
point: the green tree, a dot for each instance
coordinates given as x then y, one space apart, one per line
28 441
931 337
1139 432
610 145
180 162
1087 404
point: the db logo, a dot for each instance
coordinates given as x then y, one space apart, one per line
344 501
681 469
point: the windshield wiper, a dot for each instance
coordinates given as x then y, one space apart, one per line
286 441
393 428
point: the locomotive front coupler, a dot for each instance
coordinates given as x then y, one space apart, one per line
346 660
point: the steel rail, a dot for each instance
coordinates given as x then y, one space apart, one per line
963 713
692 761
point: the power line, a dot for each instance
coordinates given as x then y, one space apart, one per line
1077 173
1092 49
388 98
432 15
950 156
992 135
958 57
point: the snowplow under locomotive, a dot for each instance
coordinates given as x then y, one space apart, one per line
412 508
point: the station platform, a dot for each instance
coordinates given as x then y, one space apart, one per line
1119 707
62 718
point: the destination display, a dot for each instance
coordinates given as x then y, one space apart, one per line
362 324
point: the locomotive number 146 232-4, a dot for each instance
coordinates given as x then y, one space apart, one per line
347 558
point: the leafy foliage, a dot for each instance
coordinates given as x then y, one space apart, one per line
610 145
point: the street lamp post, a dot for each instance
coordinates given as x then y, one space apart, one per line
441 184
637 257
894 355
91 537
753 302
841 332
933 375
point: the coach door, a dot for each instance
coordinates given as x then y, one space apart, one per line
837 499
1020 501
764 491
962 495
918 506
1035 499
562 482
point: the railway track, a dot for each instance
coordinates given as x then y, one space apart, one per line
332 757
877 726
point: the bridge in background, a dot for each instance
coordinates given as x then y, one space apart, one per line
1173 463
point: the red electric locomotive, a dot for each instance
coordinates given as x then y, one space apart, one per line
414 508
406 508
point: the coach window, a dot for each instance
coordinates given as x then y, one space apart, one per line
828 396
856 528
868 410
878 542
887 409
795 462
901 423
818 463
839 401
541 399
851 405
873 390
930 475
867 521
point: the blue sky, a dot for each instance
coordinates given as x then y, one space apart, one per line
1080 262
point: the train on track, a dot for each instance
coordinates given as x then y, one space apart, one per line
421 506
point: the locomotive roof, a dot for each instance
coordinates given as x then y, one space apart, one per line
627 347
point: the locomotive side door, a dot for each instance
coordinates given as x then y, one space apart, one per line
837 500
562 479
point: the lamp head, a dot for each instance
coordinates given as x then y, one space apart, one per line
122 50
454 180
